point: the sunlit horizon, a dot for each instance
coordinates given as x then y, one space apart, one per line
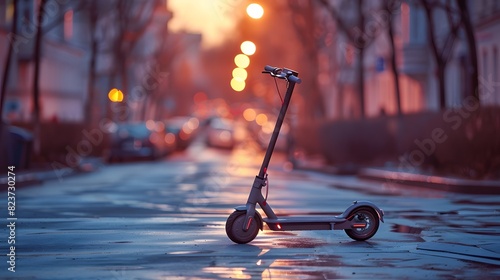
215 20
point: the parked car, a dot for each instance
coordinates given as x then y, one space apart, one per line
265 133
139 140
220 133
183 128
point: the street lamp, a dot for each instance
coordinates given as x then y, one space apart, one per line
237 84
240 73
255 11
248 47
115 95
242 60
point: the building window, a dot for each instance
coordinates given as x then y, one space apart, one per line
68 25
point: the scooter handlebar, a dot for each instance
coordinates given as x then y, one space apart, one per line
294 79
271 69
284 73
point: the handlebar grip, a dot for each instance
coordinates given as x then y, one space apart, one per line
294 79
270 68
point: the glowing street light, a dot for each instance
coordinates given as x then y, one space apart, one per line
249 114
115 95
261 119
237 84
248 47
242 61
240 73
255 11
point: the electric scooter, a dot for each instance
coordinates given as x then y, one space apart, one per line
360 221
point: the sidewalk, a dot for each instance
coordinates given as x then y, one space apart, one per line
450 184
41 174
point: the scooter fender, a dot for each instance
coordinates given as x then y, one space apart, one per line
258 217
357 204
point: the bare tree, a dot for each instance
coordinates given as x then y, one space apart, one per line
311 34
36 81
129 23
166 53
93 13
6 69
388 8
441 49
356 35
471 43
96 11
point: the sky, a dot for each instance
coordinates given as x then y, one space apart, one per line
214 19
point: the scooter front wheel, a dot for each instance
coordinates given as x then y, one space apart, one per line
234 228
369 217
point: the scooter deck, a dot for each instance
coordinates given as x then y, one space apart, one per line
311 223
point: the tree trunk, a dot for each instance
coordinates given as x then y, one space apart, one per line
340 100
394 66
361 82
440 72
36 81
92 67
440 62
124 109
304 20
471 43
361 55
6 69
316 103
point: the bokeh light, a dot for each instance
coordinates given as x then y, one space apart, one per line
170 138
237 84
249 114
248 47
261 119
115 95
240 73
255 11
242 61
200 97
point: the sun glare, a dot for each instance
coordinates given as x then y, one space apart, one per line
215 20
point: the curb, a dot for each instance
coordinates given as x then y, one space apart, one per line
28 178
430 181
36 177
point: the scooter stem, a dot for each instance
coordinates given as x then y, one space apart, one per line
255 196
277 128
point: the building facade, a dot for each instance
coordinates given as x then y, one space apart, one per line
486 16
64 61
418 79
127 46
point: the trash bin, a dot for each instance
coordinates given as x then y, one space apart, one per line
20 142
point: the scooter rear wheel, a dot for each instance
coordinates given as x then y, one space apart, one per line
365 215
234 228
